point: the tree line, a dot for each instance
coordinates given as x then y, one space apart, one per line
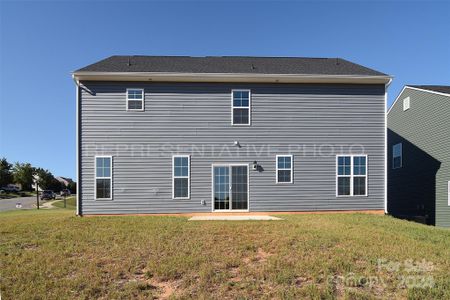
23 174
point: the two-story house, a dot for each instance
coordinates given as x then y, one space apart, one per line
419 154
160 134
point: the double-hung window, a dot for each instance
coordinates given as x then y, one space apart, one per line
284 168
240 102
135 99
181 165
397 156
351 175
103 177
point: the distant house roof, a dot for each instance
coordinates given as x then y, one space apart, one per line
64 180
435 88
230 64
228 68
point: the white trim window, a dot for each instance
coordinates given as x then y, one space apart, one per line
397 156
135 99
284 168
181 176
351 175
240 107
406 103
103 177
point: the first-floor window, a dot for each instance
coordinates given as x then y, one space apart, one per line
397 156
284 168
351 175
103 177
181 176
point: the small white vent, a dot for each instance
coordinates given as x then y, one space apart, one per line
406 103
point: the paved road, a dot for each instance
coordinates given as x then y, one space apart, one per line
10 204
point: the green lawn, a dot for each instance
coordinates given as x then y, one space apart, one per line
51 254
70 203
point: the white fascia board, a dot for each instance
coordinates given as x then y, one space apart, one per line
428 91
228 77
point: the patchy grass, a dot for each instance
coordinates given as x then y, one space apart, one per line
54 255
71 203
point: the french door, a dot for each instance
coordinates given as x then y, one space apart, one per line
230 187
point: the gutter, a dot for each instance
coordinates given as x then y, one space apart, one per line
229 77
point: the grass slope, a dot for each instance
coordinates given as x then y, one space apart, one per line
54 255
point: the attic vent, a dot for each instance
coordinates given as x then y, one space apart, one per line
406 103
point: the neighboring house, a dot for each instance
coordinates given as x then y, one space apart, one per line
419 154
219 134
64 180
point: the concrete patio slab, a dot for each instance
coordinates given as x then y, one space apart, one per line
235 218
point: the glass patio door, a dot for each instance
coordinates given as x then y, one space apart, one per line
221 188
230 187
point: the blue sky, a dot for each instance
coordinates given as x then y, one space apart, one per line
41 43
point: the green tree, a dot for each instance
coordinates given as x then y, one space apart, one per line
5 172
23 174
72 187
46 179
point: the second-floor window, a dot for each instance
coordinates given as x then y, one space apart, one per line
135 99
240 114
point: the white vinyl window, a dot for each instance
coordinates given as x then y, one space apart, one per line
135 99
103 177
351 175
240 107
181 170
397 156
406 103
284 169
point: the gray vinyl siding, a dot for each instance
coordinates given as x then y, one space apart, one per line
422 182
311 122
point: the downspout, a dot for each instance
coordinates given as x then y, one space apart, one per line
78 152
385 147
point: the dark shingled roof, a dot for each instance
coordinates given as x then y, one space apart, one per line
435 88
230 64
